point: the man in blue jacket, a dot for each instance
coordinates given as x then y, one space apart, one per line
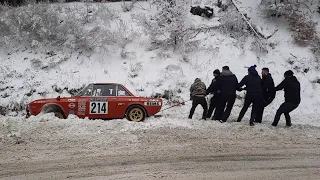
252 81
292 97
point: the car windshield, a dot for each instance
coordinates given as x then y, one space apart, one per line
103 90
87 91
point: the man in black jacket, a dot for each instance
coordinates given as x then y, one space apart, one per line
227 85
292 97
268 92
254 94
211 89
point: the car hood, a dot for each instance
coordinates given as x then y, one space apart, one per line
48 100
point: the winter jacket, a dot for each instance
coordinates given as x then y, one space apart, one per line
252 82
268 89
211 88
227 83
291 88
198 88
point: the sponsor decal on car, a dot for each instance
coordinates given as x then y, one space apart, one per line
82 107
152 103
71 112
71 100
98 105
71 105
40 102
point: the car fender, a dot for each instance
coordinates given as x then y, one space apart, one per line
138 104
49 104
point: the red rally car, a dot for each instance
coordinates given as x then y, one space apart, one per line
99 101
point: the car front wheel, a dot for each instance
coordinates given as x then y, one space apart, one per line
57 113
136 113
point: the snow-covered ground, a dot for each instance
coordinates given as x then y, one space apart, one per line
52 146
167 148
149 72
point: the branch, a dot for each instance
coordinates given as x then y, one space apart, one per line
293 55
312 12
271 34
246 20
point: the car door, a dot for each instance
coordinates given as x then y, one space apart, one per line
83 102
123 97
103 102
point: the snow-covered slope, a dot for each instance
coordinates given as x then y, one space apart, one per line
28 74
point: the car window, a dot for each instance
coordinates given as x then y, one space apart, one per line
104 90
87 91
122 92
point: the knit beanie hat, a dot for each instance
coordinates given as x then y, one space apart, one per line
252 68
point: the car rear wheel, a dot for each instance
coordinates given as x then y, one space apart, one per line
136 113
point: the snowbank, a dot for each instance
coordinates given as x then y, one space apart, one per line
147 72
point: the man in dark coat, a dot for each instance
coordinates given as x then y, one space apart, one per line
197 95
211 89
254 94
292 97
268 92
227 85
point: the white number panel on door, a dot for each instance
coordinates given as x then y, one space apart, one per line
98 106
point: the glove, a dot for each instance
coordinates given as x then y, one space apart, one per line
240 89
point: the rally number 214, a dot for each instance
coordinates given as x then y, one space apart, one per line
98 108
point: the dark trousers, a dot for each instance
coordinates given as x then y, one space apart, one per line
285 109
259 115
244 109
213 104
224 107
195 102
261 110
257 106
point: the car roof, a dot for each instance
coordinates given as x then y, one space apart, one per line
107 83
115 84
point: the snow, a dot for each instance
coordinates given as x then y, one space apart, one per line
171 146
160 70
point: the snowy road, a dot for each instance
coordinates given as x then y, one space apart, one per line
171 149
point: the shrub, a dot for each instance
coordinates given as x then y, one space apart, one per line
169 27
127 6
304 29
259 46
57 25
234 25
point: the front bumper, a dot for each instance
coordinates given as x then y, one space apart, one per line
28 111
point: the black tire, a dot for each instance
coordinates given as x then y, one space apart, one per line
56 113
136 113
